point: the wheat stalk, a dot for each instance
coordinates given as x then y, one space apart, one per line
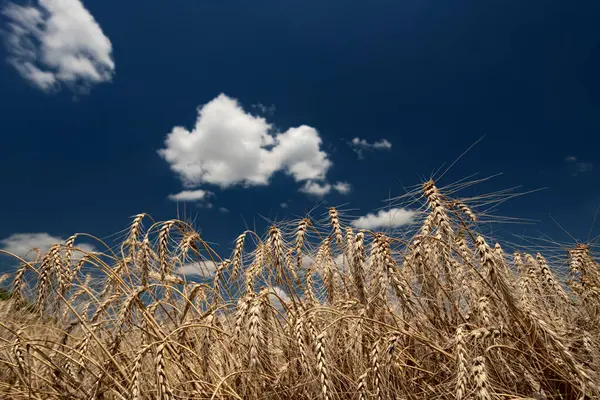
480 377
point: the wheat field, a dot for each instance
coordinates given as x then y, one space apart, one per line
312 309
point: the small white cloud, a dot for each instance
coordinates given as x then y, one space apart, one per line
203 268
316 189
320 189
284 205
58 41
342 187
360 145
223 210
276 296
570 159
21 244
393 217
191 195
382 144
229 147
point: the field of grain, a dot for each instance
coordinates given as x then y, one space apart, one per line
309 310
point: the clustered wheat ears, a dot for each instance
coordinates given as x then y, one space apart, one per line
309 310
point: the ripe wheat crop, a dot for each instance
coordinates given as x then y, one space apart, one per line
311 310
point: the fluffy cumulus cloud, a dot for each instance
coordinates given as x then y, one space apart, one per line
391 218
21 244
53 42
577 166
361 145
229 147
316 189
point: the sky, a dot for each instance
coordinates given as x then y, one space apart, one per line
246 111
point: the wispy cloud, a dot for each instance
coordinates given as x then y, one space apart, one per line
577 166
229 147
284 205
267 110
54 42
21 244
359 146
391 218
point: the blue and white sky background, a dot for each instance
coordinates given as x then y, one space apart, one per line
246 111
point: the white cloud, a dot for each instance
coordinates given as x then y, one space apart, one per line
360 145
21 244
385 219
284 205
229 147
316 189
191 195
223 210
319 189
276 296
382 144
204 268
342 187
58 41
307 260
340 261
276 290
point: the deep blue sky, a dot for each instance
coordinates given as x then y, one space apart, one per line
432 77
